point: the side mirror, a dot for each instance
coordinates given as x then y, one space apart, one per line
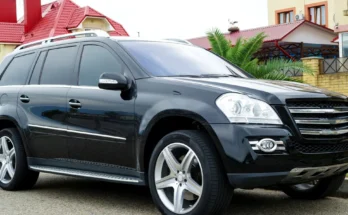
113 81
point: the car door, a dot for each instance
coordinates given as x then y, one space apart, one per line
42 103
100 122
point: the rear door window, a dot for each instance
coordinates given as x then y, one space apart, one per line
59 66
18 70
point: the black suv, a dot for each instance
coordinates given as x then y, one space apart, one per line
167 115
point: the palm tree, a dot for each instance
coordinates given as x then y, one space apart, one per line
243 52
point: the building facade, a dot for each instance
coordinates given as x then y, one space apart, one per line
48 20
329 13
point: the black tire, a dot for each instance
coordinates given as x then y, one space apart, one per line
217 193
23 177
324 187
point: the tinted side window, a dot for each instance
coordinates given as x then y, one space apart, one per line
59 66
18 70
95 61
37 69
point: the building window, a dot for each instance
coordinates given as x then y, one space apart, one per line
285 15
317 13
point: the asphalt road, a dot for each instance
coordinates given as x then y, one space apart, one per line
66 195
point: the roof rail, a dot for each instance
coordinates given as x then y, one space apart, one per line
94 33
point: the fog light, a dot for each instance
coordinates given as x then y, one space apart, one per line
267 145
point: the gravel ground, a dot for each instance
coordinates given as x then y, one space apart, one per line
66 195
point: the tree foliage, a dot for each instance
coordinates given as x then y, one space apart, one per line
243 53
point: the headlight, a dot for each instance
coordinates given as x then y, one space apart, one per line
239 108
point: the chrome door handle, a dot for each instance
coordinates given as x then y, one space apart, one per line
75 103
24 99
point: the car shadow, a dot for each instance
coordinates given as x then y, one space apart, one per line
256 202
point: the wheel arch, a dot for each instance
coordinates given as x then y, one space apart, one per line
11 122
178 120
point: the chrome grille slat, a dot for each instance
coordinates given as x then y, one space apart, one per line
312 111
326 121
320 118
324 132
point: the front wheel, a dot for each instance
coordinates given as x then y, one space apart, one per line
186 176
316 189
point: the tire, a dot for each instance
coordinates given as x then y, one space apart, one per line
323 188
214 190
23 178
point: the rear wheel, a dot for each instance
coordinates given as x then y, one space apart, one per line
186 176
14 172
316 189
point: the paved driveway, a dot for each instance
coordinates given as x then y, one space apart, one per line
66 195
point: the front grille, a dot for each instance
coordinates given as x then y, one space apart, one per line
325 120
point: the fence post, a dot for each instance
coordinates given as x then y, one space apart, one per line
317 65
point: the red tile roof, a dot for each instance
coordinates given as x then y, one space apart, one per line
81 13
58 17
273 32
11 32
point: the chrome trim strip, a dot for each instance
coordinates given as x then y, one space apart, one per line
95 175
318 110
321 121
47 127
77 132
325 132
280 145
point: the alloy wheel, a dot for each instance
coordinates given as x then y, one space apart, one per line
179 178
7 160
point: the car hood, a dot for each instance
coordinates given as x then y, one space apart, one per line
273 92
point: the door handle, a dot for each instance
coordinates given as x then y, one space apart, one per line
24 99
75 103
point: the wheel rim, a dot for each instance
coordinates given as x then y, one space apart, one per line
306 186
7 160
179 178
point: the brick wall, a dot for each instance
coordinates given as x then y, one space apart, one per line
337 82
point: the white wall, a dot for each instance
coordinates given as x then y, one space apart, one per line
311 34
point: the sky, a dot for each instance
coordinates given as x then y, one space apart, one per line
182 19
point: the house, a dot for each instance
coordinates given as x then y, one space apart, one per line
289 40
330 13
48 20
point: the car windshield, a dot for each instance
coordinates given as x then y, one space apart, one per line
166 59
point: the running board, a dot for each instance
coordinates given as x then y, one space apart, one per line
87 174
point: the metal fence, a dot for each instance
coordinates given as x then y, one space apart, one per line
335 65
293 72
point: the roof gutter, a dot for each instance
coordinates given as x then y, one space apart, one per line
284 51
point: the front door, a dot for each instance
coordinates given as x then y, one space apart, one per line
100 122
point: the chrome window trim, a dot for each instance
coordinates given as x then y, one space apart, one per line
54 86
77 132
318 110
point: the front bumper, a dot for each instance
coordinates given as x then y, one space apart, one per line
247 169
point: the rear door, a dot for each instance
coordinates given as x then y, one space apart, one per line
42 103
101 122
14 75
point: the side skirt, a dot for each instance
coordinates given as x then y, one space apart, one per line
89 170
